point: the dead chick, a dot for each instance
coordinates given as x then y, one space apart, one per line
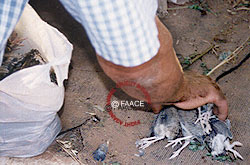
218 140
13 42
13 62
165 125
196 125
203 126
191 130
100 153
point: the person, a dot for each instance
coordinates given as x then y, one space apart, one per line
132 44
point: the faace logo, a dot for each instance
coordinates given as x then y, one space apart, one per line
126 104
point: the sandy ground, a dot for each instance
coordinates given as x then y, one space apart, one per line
88 87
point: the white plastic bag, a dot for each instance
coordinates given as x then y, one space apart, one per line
29 101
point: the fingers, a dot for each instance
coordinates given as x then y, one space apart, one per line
217 97
222 108
156 108
202 90
191 103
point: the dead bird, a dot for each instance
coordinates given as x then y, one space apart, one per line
13 42
218 139
165 125
100 153
197 125
171 120
13 62
191 129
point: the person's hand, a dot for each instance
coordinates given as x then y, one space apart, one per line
163 79
199 90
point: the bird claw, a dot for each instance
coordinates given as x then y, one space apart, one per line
146 142
176 141
229 147
236 154
236 143
176 153
204 120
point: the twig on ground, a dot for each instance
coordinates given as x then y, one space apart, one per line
233 68
198 56
242 8
73 128
177 8
68 152
202 54
214 51
236 3
230 57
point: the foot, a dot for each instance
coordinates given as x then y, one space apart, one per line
229 147
204 120
176 141
146 142
176 153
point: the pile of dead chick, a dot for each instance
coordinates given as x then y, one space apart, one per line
14 61
195 126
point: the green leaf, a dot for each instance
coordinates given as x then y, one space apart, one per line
208 154
116 163
201 147
193 143
193 147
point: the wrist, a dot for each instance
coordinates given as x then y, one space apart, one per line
183 92
194 86
161 76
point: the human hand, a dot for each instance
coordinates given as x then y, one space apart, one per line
199 90
163 79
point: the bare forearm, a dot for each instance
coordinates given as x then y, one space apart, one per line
165 81
161 76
